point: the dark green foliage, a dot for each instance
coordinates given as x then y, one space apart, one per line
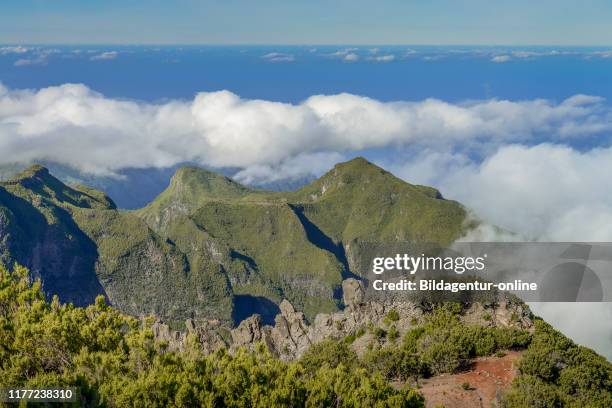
116 362
386 361
393 333
358 388
352 337
557 372
441 345
329 353
379 333
444 344
392 316
529 391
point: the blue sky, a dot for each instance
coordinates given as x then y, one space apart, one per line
518 22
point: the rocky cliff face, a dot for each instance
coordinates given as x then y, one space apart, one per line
75 240
291 335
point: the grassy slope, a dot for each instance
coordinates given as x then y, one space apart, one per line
272 240
292 244
261 245
358 200
37 229
189 188
82 246
207 237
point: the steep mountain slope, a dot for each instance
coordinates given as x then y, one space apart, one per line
210 248
255 236
80 245
358 200
299 245
189 188
358 203
37 229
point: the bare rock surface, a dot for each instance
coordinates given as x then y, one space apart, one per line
292 335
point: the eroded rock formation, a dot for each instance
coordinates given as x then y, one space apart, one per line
292 335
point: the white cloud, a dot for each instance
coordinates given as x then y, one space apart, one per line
74 125
40 57
501 58
105 56
346 54
546 53
545 192
293 168
13 50
24 62
603 54
278 57
383 58
343 52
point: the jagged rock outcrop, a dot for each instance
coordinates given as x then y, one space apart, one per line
291 334
290 331
250 332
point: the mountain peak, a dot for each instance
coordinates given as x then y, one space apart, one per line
36 180
359 163
357 167
353 172
35 171
189 188
195 183
359 160
188 174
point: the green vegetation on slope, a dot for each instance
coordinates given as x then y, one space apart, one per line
555 372
82 246
358 200
207 239
37 229
272 236
116 362
189 188
443 344
298 245
143 274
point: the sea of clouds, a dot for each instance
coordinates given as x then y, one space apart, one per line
512 162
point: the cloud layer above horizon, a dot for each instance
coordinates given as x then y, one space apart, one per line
42 56
501 158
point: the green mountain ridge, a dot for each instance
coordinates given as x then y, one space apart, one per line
208 247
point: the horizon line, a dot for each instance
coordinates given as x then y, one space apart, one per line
204 44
